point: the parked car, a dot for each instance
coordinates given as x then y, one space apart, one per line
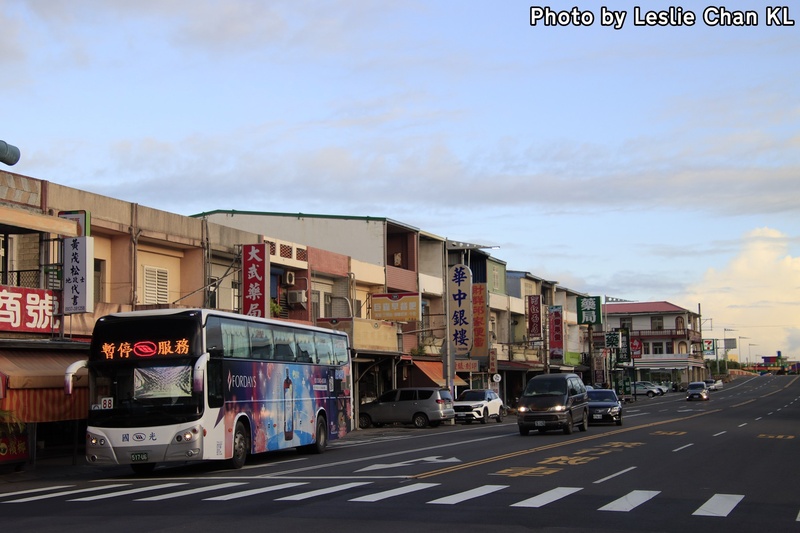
604 406
425 406
697 390
643 389
660 389
553 401
478 404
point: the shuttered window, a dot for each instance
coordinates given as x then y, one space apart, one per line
156 285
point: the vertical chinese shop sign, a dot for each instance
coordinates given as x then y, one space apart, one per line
459 293
556 333
534 317
255 280
78 275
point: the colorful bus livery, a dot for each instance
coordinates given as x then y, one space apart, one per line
193 384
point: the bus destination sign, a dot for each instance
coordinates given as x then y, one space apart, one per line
145 349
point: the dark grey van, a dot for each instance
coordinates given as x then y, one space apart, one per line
553 401
421 406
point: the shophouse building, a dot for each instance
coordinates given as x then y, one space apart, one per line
665 341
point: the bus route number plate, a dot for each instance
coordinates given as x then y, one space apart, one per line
139 457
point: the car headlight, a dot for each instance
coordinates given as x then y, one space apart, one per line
613 410
557 408
522 409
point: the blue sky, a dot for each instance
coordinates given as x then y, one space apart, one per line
647 163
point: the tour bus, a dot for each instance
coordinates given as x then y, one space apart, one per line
192 384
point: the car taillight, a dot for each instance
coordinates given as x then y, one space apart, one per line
441 402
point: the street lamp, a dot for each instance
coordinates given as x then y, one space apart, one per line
724 348
748 351
739 347
9 154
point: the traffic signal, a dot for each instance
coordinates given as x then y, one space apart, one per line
9 154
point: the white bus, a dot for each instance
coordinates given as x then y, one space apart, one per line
193 384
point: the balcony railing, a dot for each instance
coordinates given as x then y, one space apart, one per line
686 334
21 278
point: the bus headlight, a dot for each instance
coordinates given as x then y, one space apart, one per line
187 436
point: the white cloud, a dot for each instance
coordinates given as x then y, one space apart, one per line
755 294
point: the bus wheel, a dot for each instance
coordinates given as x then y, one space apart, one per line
322 437
241 445
143 469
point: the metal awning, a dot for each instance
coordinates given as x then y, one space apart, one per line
32 386
520 366
433 369
39 369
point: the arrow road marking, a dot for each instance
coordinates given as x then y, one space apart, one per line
433 459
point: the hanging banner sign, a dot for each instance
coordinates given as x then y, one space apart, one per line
255 280
589 310
459 294
556 333
534 302
78 275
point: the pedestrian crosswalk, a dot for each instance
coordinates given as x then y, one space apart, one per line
718 505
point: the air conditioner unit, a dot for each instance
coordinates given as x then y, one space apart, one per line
288 279
297 298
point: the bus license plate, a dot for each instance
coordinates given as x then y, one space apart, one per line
139 457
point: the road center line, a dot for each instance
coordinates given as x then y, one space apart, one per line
612 476
683 447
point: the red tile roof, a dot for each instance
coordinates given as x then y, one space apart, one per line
643 308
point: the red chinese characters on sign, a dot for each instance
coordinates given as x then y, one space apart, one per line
636 348
29 310
480 320
397 307
556 332
255 280
534 317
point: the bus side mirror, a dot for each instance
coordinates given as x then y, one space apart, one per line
71 370
199 374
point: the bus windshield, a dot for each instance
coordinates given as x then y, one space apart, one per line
143 368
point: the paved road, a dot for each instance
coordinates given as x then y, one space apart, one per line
672 465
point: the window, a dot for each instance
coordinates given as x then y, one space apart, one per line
260 341
284 344
306 352
657 323
658 348
315 305
213 288
407 395
324 348
156 285
626 322
670 347
99 278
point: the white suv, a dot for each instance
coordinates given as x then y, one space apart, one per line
478 404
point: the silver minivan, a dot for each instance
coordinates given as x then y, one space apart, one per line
420 406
